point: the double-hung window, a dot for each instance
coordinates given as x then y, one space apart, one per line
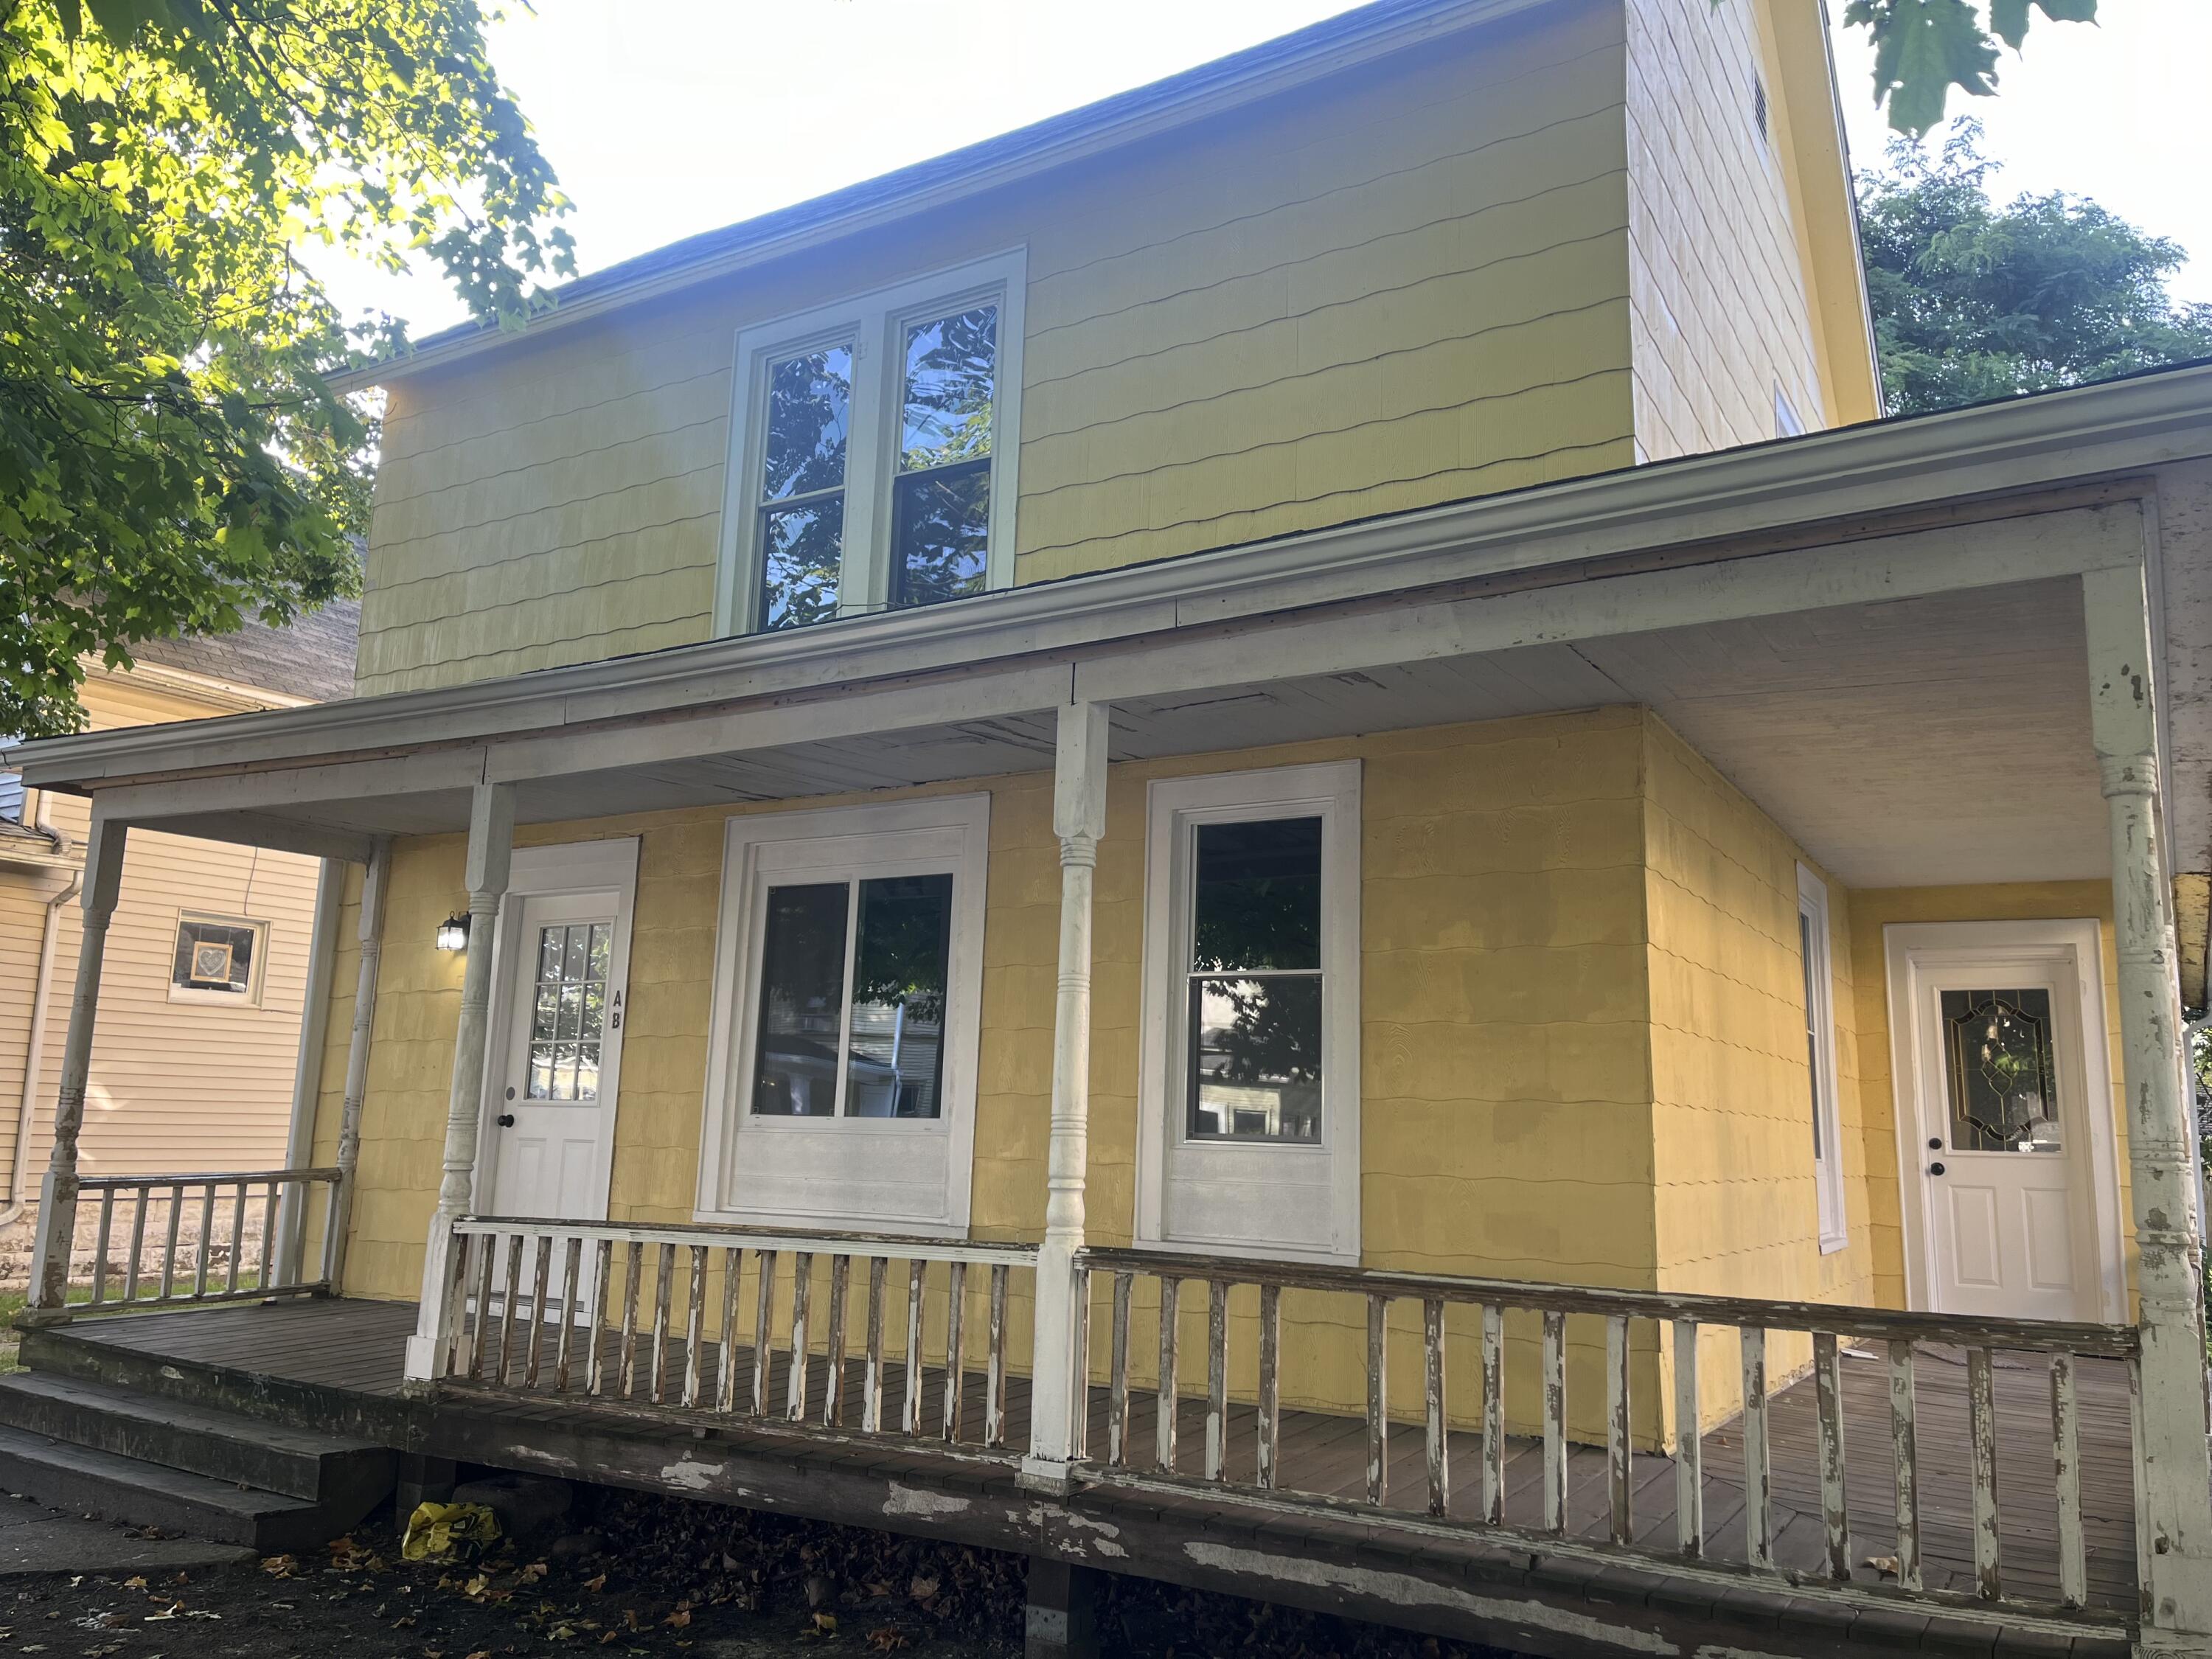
1820 1056
1249 1080
872 463
847 1016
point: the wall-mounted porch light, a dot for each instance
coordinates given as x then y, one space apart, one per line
453 932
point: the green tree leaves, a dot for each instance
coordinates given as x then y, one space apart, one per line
170 458
1924 48
1972 300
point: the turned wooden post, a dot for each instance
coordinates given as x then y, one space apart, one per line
1078 818
2173 1473
56 1237
491 851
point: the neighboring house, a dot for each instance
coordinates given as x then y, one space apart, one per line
1296 735
207 955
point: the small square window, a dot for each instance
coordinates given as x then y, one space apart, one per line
217 961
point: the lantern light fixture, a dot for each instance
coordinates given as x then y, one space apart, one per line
453 932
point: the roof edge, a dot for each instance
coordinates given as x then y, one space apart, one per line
1258 72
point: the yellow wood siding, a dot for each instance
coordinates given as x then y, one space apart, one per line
1405 285
1581 1039
175 1085
1720 306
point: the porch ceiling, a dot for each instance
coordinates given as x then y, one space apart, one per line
1913 743
1908 742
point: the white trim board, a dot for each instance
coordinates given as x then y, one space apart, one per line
583 866
2074 945
1835 1231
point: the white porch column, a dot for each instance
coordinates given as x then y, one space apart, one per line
1079 819
370 935
491 853
50 1257
2173 1472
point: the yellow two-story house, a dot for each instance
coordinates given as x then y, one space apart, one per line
1273 802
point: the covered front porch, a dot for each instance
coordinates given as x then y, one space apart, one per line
1509 1371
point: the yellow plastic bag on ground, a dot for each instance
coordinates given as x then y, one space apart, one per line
448 1532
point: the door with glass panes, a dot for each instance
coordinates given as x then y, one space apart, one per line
2004 1136
551 1088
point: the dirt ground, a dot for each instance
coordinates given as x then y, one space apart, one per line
628 1575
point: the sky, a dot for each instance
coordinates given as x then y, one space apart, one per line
665 117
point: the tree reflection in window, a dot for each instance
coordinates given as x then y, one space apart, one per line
1253 1014
941 497
2001 1073
851 1019
810 411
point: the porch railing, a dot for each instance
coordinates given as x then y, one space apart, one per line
746 1324
1900 1341
200 1238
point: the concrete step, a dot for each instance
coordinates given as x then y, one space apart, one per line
346 1476
84 1480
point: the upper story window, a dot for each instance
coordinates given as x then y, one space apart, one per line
872 461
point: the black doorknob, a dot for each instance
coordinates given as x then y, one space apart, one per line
1936 1168
1935 1142
506 1122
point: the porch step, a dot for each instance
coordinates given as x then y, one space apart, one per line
97 1449
87 1482
340 1474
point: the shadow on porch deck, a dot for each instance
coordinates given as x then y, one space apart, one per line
300 1353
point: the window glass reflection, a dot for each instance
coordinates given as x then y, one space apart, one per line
802 998
895 1064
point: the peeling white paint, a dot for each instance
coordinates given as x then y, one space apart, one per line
693 1477
1107 1531
1407 1590
532 1455
911 1500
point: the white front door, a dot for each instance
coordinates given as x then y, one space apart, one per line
555 1062
2006 1121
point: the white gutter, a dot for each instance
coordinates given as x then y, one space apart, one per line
42 996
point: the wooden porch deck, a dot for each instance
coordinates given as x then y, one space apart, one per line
356 1349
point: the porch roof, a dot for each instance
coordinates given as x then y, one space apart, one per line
1872 631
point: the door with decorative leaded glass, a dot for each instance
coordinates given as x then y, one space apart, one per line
2004 1171
564 1011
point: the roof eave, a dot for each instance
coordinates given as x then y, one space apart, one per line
1110 123
2046 440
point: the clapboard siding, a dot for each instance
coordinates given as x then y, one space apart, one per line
175 1085
1468 268
1404 284
1720 288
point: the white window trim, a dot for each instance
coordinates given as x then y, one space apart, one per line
1174 807
251 998
582 866
873 321
729 1032
1820 980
